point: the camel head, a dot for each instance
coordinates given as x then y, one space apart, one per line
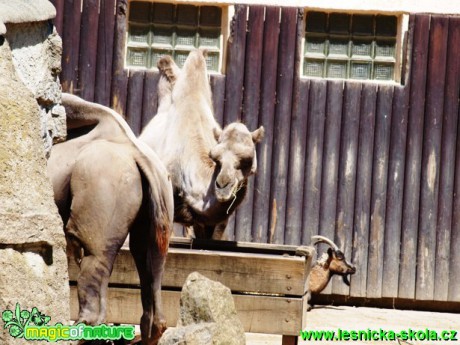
235 158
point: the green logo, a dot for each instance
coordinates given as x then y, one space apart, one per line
17 321
32 325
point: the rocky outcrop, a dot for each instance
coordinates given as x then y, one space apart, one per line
207 315
33 262
36 51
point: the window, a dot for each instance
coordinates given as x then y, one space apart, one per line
351 46
157 29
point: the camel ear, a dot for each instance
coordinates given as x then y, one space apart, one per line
258 134
217 132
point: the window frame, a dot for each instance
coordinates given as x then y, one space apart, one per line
402 23
227 11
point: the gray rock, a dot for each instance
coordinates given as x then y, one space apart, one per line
24 11
207 315
36 50
33 259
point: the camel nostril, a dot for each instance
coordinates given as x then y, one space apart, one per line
221 186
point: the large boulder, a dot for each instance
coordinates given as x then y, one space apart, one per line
207 315
33 259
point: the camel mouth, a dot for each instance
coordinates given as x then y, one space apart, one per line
226 193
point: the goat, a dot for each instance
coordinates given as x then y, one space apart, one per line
330 263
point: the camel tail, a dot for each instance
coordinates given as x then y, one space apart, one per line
161 223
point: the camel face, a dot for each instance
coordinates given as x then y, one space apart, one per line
235 158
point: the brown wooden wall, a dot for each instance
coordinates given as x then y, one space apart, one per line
374 167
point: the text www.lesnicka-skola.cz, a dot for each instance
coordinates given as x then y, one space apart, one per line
379 335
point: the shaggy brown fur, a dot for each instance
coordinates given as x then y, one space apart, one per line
106 184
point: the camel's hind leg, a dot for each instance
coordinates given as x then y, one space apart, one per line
150 266
106 197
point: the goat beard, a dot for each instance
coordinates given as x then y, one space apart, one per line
345 278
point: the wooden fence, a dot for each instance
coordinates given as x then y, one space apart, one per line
372 166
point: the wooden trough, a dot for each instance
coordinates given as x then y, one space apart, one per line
268 284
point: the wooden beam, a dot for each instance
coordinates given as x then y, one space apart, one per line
272 274
258 314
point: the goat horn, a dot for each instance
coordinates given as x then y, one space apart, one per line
317 239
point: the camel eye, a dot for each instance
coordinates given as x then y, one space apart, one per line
245 164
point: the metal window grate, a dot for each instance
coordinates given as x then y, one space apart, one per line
350 46
157 29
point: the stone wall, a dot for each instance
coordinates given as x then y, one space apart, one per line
33 261
36 49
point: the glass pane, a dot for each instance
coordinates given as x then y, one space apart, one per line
385 49
339 23
386 26
162 35
360 70
362 48
383 71
163 13
338 47
187 15
180 57
139 12
212 62
209 38
210 16
138 34
336 69
138 57
316 22
313 68
186 38
315 45
157 54
363 25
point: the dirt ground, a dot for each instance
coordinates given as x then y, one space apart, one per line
351 318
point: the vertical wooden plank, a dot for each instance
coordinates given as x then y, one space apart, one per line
328 201
407 268
379 191
88 49
236 50
71 45
119 74
454 267
283 109
443 271
251 97
149 97
293 231
396 168
236 47
298 141
396 172
363 189
134 101
314 158
105 52
431 158
59 20
262 181
347 175
218 96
